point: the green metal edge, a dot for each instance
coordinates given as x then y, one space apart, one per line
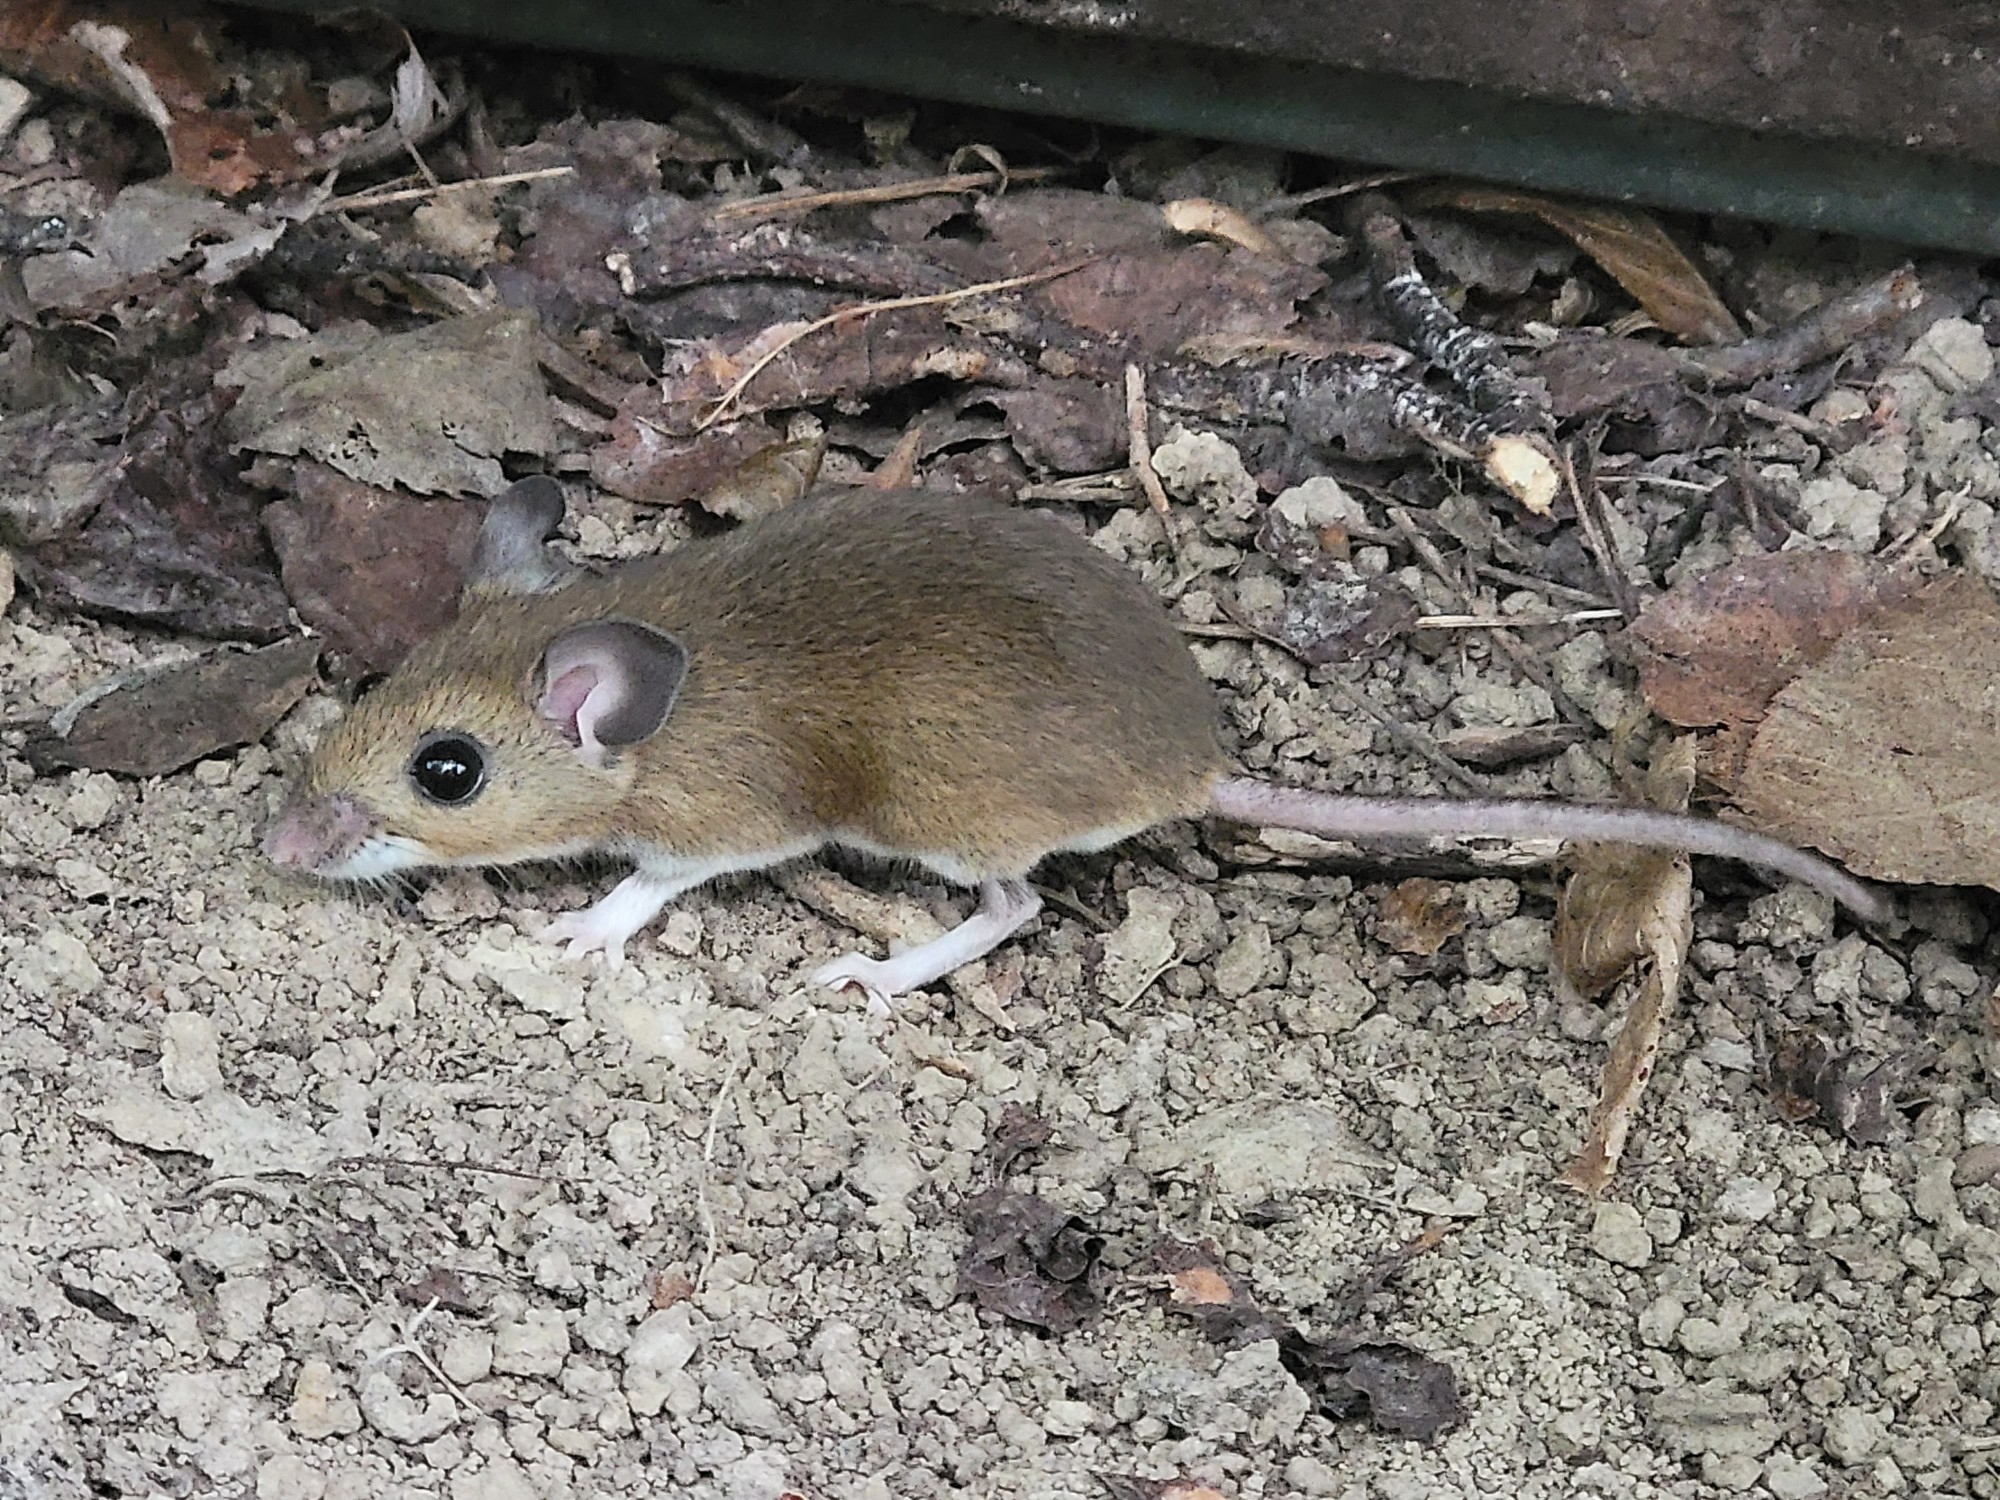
1665 162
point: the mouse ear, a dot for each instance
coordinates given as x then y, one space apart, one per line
513 555
609 684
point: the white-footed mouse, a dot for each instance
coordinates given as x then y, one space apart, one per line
935 678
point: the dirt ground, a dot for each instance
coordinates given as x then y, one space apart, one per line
313 1194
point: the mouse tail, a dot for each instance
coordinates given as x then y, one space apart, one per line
1373 820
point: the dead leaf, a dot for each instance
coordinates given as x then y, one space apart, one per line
432 410
1342 615
1135 1487
1621 907
1630 245
1029 1260
1401 1390
164 68
6 579
1809 1079
1882 754
1204 218
443 1288
643 462
172 534
151 723
669 1287
768 480
1200 1286
1720 647
1018 1131
376 572
147 229
1420 916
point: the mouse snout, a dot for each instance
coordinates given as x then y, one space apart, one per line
317 834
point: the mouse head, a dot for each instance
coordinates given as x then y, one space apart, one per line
506 737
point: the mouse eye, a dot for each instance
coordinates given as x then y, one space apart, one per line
449 768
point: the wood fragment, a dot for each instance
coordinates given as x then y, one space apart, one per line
1139 456
436 189
1820 334
1475 361
774 205
869 309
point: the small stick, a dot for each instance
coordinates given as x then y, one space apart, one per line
1591 518
433 190
1510 622
767 205
1506 640
867 309
1539 585
701 1204
1139 456
1820 334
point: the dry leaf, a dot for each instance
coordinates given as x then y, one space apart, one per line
1808 1078
768 480
1204 218
1420 916
1720 647
1621 907
1199 1286
1882 755
1630 245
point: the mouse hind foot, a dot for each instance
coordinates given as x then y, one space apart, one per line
1005 906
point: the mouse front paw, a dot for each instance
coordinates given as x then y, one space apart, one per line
605 927
586 935
875 978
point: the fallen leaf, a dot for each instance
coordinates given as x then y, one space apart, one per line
1204 218
6 579
153 722
148 228
768 480
642 461
444 1288
1630 244
1808 1079
1720 647
1881 755
1201 1286
1342 615
1029 1260
669 1287
1348 1373
1621 907
163 68
1135 1487
1018 1131
1420 916
433 410
172 534
374 571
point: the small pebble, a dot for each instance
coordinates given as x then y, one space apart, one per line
1619 1235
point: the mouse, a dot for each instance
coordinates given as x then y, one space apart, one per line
947 680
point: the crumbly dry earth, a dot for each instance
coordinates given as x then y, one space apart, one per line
308 1194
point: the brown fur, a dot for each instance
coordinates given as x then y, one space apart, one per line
923 675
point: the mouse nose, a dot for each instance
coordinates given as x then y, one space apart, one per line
311 835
